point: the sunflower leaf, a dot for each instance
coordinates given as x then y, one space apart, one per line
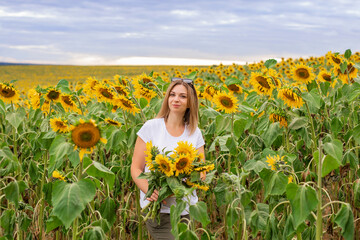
347 54
270 63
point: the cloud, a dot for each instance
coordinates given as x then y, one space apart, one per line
4 12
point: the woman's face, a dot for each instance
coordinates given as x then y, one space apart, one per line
178 99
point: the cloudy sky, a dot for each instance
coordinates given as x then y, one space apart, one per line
174 32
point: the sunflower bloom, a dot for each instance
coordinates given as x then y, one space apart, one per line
165 165
302 73
350 73
226 102
59 125
104 93
185 148
183 164
141 91
57 175
290 179
112 122
273 161
262 84
85 136
34 98
125 104
52 95
8 93
209 92
68 103
235 88
275 117
198 186
290 98
206 168
325 76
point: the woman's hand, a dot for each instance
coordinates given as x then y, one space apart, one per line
154 196
203 176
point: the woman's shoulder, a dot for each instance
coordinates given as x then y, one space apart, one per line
154 122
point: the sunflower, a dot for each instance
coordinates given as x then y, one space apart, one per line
59 125
150 153
198 186
290 98
165 165
209 92
120 89
68 103
206 168
334 58
349 74
235 88
325 76
290 179
57 175
8 93
273 161
226 102
141 91
143 78
261 83
183 164
302 73
104 93
112 122
34 98
277 117
52 95
185 148
86 135
125 104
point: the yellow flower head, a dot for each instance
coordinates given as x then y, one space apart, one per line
277 117
183 164
185 148
125 104
52 95
165 165
226 102
57 175
262 84
8 93
302 73
273 161
59 125
290 98
112 122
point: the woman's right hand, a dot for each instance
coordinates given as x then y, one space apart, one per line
154 196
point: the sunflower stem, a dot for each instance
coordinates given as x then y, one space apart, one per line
81 108
41 214
319 193
141 111
314 145
125 119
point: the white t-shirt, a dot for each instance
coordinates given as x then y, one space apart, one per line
154 130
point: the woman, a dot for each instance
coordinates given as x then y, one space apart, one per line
176 121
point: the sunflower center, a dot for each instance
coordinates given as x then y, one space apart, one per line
146 80
7 92
106 93
263 82
336 60
165 166
60 124
289 96
225 101
302 73
53 95
181 164
126 103
85 135
67 100
326 77
350 68
233 87
120 90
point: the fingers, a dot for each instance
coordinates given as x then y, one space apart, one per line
154 196
203 176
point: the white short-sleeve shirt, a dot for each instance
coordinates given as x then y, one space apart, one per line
154 130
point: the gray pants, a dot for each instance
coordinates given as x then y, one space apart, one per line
161 231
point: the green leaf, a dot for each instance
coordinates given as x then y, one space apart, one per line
143 103
16 118
192 75
356 134
2 108
274 182
52 223
329 164
7 222
108 210
175 213
188 235
223 123
336 125
230 80
199 213
70 199
254 165
303 200
345 219
13 190
356 187
95 233
334 149
99 171
347 53
270 63
298 122
343 67
231 144
313 99
259 218
58 150
271 134
239 126
63 85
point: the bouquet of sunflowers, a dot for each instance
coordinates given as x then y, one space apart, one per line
177 174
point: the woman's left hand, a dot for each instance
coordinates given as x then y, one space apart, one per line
203 176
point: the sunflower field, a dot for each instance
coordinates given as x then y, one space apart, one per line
284 138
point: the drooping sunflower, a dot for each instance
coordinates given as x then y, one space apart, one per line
290 98
226 102
58 175
68 103
125 104
90 85
150 154
183 164
185 148
206 168
302 73
143 78
104 93
85 136
165 165
209 92
8 93
277 117
262 84
196 185
52 95
59 125
335 59
34 98
120 89
112 122
349 74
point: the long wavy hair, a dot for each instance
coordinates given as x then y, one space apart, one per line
191 116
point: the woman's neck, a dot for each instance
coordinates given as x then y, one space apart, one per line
175 121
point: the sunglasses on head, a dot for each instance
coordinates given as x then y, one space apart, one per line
185 80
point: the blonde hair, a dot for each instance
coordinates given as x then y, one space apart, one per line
191 116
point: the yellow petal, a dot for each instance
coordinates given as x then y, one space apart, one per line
103 140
